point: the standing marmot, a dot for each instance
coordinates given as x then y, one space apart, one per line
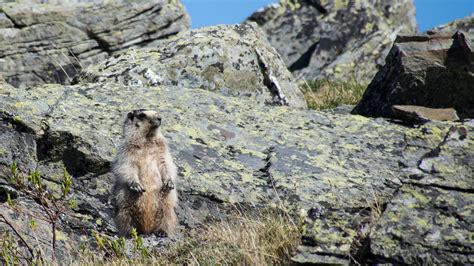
144 195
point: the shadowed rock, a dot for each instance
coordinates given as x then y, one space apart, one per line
435 71
51 41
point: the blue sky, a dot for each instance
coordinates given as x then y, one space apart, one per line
430 13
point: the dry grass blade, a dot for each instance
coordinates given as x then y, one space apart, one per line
324 94
267 238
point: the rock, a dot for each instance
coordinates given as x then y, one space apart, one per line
335 39
420 114
434 71
233 150
465 24
431 215
405 225
51 41
233 60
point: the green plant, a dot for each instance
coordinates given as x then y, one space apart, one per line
138 245
35 180
9 251
117 246
33 224
73 203
111 247
100 241
51 206
14 173
66 184
10 202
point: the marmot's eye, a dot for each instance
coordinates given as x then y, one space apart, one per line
141 116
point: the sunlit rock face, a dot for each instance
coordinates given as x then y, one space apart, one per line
51 41
335 39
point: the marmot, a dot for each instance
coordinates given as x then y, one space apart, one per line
144 194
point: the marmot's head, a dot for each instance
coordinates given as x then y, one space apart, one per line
141 125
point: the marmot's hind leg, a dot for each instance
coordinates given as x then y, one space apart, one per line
167 219
123 221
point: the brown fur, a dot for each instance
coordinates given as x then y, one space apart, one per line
144 195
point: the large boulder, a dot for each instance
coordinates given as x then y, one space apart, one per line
427 70
369 189
51 41
232 59
335 39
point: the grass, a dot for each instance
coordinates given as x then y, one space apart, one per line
325 94
266 238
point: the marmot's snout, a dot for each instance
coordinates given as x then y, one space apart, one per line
156 122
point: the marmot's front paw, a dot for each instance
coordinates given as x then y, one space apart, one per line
168 185
137 187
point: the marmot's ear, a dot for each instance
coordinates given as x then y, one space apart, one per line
130 116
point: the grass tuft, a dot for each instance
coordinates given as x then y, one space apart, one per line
325 94
264 239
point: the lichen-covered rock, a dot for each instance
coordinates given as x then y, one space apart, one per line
333 38
334 168
465 24
51 41
434 71
234 60
429 220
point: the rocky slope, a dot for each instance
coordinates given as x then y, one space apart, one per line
335 39
51 41
369 188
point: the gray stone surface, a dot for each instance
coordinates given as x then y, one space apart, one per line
51 41
233 60
335 39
